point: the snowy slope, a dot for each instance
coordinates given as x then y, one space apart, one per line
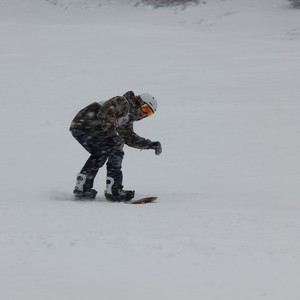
226 225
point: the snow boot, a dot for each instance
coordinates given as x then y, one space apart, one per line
114 191
83 188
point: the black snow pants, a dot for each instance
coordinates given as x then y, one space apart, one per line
102 149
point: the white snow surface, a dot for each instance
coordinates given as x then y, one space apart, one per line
226 224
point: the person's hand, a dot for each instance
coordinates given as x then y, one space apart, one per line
157 147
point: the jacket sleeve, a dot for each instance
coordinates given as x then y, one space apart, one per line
112 109
132 139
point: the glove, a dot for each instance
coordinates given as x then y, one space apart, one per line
119 142
157 147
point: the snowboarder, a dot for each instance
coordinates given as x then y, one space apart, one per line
103 128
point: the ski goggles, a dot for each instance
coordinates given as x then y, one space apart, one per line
146 108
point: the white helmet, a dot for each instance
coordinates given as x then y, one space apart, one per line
150 101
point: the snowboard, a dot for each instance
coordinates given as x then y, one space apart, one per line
143 200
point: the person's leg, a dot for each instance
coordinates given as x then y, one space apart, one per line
90 170
114 171
95 143
114 181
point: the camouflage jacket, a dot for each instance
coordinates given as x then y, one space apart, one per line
114 116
